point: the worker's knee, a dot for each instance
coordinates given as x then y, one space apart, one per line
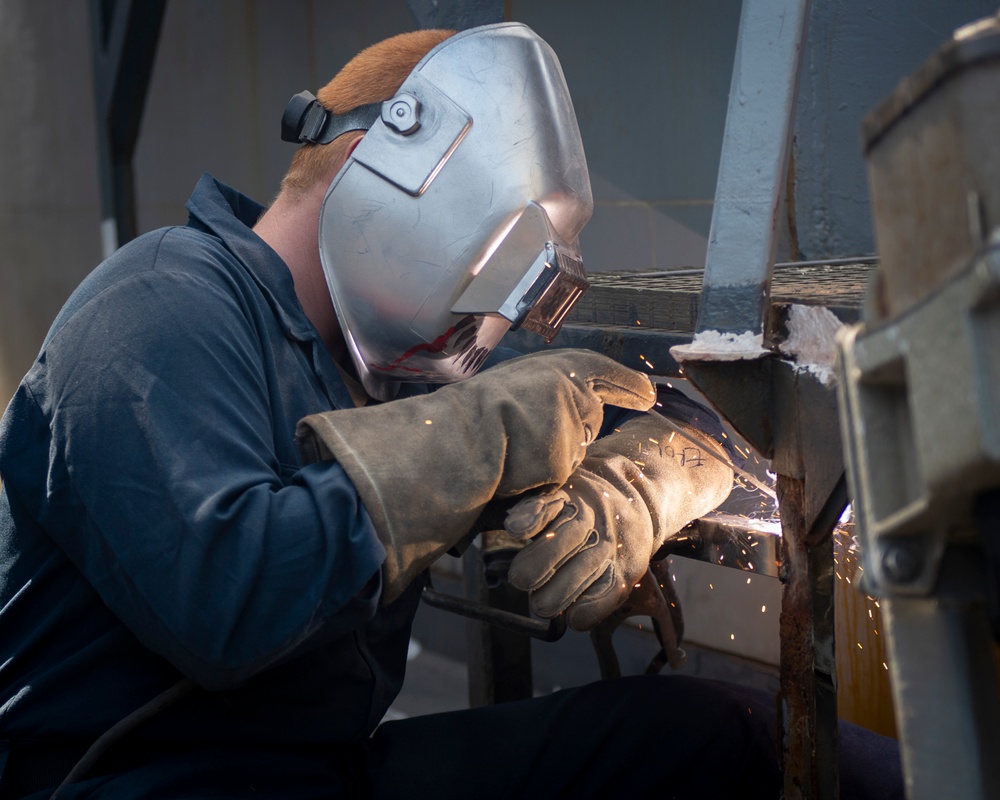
705 713
707 738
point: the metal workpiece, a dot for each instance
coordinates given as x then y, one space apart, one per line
752 545
783 402
670 300
638 317
761 370
918 399
806 436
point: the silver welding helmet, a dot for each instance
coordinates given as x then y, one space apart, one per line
457 216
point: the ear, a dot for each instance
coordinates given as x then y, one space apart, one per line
345 148
351 145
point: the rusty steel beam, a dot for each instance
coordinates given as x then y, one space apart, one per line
808 700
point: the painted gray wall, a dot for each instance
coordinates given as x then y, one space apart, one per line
649 79
650 82
857 52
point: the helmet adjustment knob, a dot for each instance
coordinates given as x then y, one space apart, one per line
402 114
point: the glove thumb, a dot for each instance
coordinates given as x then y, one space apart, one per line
615 384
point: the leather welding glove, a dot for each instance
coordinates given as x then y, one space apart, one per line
425 467
592 539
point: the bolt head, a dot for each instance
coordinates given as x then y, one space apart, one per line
901 562
402 114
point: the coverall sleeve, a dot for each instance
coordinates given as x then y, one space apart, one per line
164 488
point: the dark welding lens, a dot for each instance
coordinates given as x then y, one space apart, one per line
555 291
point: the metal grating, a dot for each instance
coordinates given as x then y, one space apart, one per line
669 300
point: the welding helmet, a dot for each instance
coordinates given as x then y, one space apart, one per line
458 214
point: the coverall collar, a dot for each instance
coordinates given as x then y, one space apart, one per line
224 212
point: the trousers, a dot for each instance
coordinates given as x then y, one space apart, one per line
673 737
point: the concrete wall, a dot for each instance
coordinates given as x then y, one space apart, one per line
48 173
223 75
224 72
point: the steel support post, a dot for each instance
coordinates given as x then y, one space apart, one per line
812 495
124 35
752 166
499 658
808 707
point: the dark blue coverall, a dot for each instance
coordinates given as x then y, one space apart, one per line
155 523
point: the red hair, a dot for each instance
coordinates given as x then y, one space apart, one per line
374 75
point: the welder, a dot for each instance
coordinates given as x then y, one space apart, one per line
245 439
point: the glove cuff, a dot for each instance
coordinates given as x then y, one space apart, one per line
418 508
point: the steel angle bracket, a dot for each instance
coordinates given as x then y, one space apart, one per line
741 391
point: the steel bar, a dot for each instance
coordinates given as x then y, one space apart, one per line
547 631
687 272
124 35
752 166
